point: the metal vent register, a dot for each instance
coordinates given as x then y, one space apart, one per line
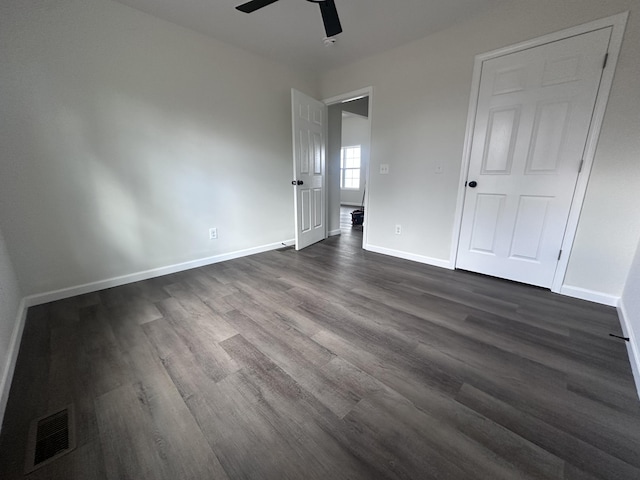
50 437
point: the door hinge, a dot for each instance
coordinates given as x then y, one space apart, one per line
559 254
606 59
580 166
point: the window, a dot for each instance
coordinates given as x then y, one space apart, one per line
350 167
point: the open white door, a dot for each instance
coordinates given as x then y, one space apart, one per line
532 122
308 120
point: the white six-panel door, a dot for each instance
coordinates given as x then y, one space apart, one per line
309 116
532 121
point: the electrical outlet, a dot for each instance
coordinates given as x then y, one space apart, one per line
398 229
384 169
213 234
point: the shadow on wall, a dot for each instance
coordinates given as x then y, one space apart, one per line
128 187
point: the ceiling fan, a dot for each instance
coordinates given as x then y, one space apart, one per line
327 8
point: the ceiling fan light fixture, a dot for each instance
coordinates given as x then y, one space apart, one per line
329 41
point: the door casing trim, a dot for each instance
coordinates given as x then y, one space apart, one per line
618 23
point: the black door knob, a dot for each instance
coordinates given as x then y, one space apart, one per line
297 182
473 184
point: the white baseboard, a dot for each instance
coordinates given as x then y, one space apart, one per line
349 204
12 356
436 262
55 295
633 349
589 295
333 233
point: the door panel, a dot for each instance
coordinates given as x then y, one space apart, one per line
488 212
308 116
318 164
501 141
509 80
549 131
530 222
531 126
305 206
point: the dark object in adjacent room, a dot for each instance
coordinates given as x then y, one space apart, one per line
357 217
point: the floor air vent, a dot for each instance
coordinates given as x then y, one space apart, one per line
50 437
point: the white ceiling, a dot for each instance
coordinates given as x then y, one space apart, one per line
291 31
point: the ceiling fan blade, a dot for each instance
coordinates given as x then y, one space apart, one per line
254 5
330 18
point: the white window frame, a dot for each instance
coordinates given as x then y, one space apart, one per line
344 169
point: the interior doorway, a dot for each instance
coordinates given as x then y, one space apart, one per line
348 154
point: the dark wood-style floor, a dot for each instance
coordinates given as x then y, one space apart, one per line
330 363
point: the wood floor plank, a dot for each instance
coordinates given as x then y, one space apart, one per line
127 436
210 291
248 443
241 424
565 446
591 422
274 330
302 419
108 367
329 362
546 351
387 350
126 322
66 311
403 381
448 452
167 442
70 377
612 394
201 334
571 472
26 400
179 361
194 312
281 309
304 361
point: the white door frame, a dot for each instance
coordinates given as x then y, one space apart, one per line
618 22
363 92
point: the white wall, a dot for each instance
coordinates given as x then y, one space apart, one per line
10 297
629 310
123 138
418 120
356 131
